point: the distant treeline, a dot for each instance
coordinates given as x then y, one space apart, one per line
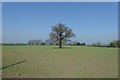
14 44
49 42
114 43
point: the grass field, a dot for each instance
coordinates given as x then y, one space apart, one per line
52 62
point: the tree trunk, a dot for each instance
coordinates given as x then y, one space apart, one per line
60 43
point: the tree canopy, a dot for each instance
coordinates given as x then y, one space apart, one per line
61 33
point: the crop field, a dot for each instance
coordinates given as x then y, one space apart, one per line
52 62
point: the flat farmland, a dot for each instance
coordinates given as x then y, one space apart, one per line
52 62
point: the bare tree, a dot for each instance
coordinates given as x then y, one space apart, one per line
61 33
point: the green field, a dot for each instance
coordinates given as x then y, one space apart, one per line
52 62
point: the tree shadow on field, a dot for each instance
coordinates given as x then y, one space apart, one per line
62 48
13 64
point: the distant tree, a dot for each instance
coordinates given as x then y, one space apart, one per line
42 43
118 43
98 44
113 43
78 43
29 42
82 44
51 44
35 42
60 33
73 43
47 42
